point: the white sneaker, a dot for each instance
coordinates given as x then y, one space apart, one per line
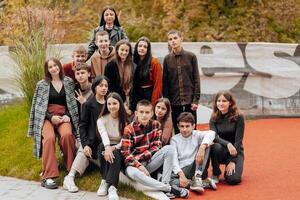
69 184
112 193
102 191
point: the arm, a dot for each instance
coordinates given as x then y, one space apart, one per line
83 125
239 135
213 127
205 138
123 34
165 78
127 147
92 46
196 96
30 132
167 131
110 73
157 80
103 132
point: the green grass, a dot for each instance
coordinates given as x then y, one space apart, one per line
17 160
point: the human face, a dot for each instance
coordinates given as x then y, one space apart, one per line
102 88
53 68
186 128
144 114
160 110
123 51
174 41
79 58
223 104
113 106
142 48
109 17
82 76
103 42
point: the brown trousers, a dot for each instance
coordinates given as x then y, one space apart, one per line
66 142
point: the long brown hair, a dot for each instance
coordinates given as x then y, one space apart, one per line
233 110
48 76
125 69
168 113
122 112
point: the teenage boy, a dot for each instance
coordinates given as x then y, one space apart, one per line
79 56
181 80
104 54
141 148
192 152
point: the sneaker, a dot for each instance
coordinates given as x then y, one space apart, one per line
69 184
179 192
112 193
170 195
215 178
49 183
102 191
209 183
197 185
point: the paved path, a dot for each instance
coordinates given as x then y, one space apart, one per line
15 189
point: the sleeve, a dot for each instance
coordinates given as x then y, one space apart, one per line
155 143
165 79
196 74
176 168
49 116
123 34
167 131
109 72
157 81
92 46
206 137
103 132
239 135
83 125
30 132
212 126
127 148
93 74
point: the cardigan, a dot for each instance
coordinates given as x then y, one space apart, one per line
39 108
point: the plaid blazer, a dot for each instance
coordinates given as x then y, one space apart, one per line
39 108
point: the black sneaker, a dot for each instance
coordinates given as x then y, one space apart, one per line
49 183
179 192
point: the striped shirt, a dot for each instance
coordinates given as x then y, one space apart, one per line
139 142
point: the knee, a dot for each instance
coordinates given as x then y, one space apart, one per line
233 179
67 134
49 139
170 150
216 149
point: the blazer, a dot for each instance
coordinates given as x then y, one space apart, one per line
39 108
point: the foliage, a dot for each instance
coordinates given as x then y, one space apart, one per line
17 159
30 50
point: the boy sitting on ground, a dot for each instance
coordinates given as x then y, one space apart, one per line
192 155
141 148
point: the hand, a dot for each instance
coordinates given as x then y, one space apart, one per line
80 98
200 155
230 169
108 155
194 106
56 120
144 170
183 181
65 118
87 151
231 149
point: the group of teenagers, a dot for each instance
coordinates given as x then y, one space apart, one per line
126 113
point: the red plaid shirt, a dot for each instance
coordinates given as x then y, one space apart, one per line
140 142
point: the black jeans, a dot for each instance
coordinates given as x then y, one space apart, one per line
220 155
110 172
176 110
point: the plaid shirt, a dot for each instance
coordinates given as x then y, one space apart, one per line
140 142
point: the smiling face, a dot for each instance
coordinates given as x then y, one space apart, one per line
53 68
186 128
123 51
113 106
102 88
79 58
109 17
223 104
103 42
142 48
160 110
